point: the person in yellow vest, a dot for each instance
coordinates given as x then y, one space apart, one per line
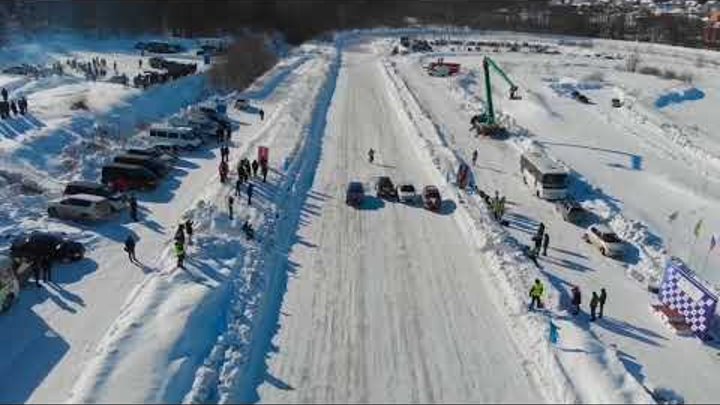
536 292
180 253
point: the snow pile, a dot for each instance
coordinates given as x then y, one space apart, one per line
233 365
600 378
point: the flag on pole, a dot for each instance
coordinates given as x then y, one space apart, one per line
673 216
698 226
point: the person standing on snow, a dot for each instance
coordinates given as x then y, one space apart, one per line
130 248
576 300
536 292
250 192
264 170
545 243
262 115
541 230
180 234
4 94
231 203
594 301
46 267
371 155
474 157
255 167
180 254
601 301
238 186
189 230
133 207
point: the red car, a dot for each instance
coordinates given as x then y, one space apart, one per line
431 198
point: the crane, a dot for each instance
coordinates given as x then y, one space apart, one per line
485 123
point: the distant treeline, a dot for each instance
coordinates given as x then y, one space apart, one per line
300 20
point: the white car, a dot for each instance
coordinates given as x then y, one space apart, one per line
605 239
81 206
407 193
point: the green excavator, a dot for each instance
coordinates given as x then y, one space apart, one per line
485 123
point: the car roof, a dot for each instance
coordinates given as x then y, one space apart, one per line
603 228
88 197
86 184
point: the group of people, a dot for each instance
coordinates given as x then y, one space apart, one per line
597 302
541 241
14 107
42 270
94 69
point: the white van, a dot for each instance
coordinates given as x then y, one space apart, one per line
174 137
546 178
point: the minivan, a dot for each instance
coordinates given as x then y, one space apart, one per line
121 176
174 137
154 165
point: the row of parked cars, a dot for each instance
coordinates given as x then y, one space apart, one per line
133 169
385 189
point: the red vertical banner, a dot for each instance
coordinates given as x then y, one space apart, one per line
263 155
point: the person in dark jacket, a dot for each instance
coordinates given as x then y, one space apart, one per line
46 266
180 234
576 300
541 230
4 94
13 107
255 167
130 248
189 230
231 205
133 207
594 301
264 170
36 268
262 115
601 301
474 157
180 254
546 242
250 187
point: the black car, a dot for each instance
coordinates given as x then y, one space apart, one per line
571 211
37 245
156 166
117 200
385 188
216 116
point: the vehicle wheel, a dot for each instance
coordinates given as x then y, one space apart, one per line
7 302
53 212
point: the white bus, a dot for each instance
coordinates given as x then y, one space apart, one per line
545 177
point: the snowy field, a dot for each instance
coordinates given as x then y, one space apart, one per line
390 302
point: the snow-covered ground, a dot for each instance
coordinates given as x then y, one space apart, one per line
388 303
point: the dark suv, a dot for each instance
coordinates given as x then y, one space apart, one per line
385 188
37 245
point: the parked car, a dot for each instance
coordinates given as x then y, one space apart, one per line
241 104
118 200
406 193
385 188
605 239
616 103
571 211
355 193
217 116
122 177
36 245
9 283
81 206
431 198
155 153
159 168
